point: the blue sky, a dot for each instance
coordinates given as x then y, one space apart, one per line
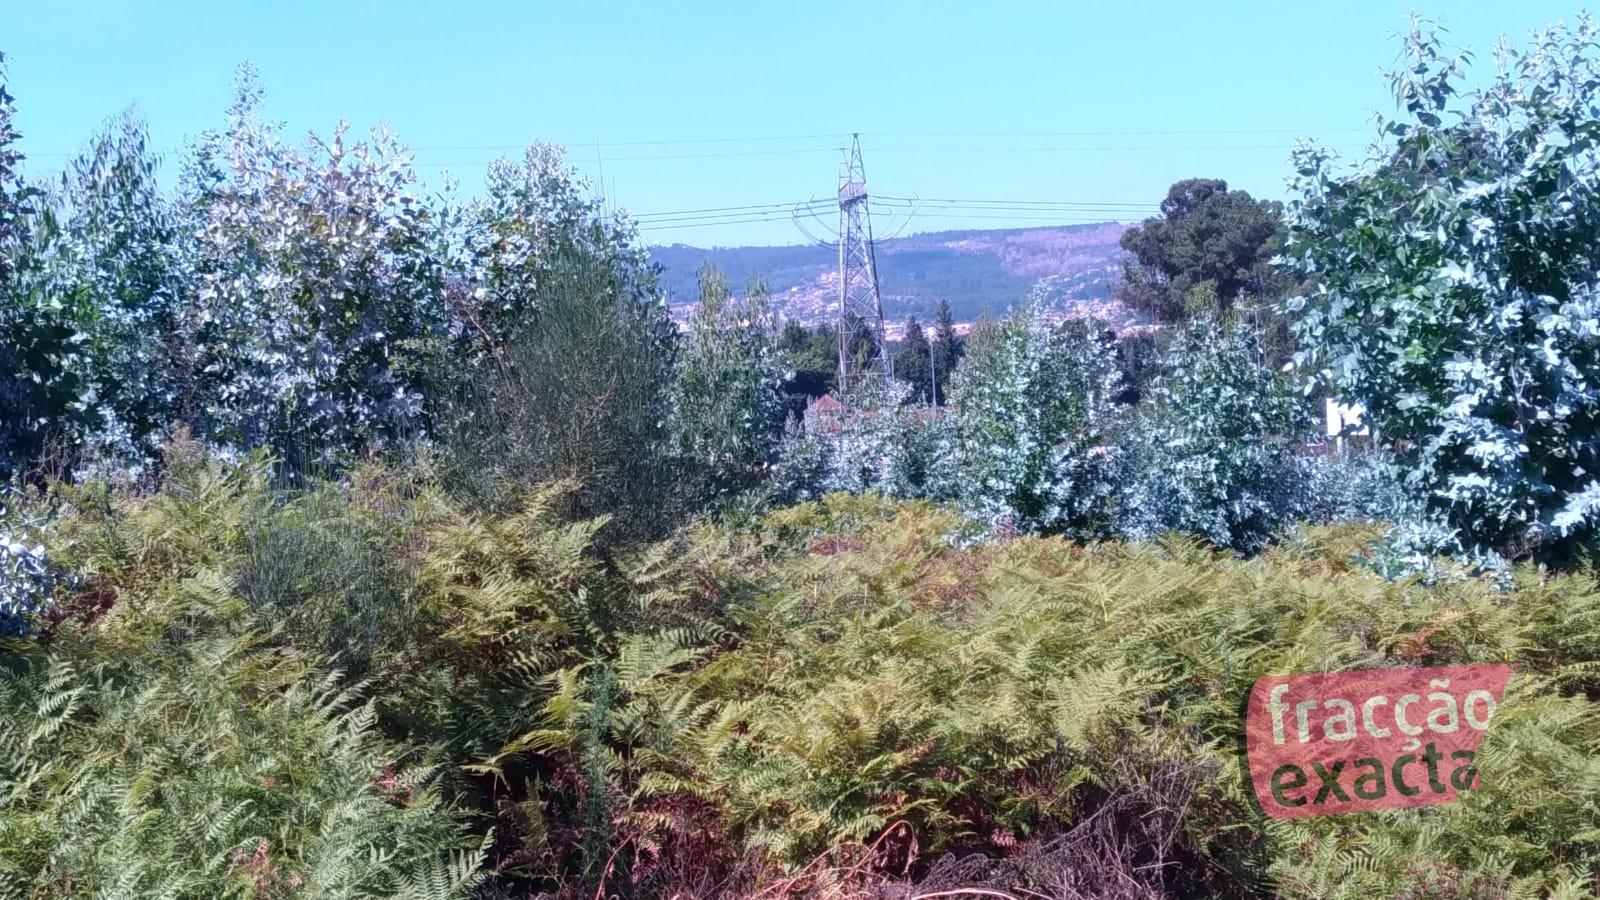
690 106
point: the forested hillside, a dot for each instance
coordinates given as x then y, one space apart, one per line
362 541
977 272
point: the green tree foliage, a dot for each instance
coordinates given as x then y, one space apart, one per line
1032 420
37 386
880 445
106 252
812 354
13 194
583 392
948 349
1453 290
1212 450
913 361
535 215
318 308
1139 355
728 405
1208 251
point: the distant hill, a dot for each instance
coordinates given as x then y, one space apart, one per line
978 271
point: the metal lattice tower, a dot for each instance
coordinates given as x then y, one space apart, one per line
860 306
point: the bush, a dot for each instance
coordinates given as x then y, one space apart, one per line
885 682
159 743
728 406
1212 450
882 446
581 392
1032 423
1357 486
27 579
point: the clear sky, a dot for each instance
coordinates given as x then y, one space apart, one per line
698 105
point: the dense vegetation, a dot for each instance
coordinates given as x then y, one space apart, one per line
359 545
306 693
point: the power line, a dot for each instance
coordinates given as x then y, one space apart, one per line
924 134
1015 218
706 213
650 143
941 208
771 217
712 218
1040 149
759 139
882 198
1103 149
1132 132
891 200
666 156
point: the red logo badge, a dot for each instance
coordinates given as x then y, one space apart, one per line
1378 739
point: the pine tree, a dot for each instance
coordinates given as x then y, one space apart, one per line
913 360
948 348
812 357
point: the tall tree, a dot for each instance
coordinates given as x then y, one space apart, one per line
37 386
13 193
1456 295
947 350
322 315
571 353
913 361
728 410
1212 452
1210 250
811 357
109 255
1032 424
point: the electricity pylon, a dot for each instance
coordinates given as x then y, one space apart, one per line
861 340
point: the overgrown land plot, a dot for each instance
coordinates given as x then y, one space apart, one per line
360 545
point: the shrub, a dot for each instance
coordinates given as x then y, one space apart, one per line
834 696
1357 486
1212 450
581 392
886 682
1033 415
160 743
881 446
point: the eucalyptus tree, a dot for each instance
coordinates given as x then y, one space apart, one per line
318 312
729 407
1212 450
37 385
1033 422
107 256
1453 289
